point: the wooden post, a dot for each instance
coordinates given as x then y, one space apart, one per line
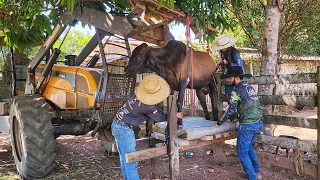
173 144
151 168
251 68
150 162
220 101
318 131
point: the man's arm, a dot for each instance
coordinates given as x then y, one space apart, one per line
234 100
236 60
155 113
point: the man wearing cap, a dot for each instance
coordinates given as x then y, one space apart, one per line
229 55
244 100
152 90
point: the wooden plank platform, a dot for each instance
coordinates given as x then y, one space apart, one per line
160 151
218 136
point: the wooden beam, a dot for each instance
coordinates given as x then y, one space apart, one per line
279 161
291 121
199 143
305 146
207 138
156 34
169 13
137 11
175 11
162 137
217 136
289 100
162 150
219 89
151 167
266 159
146 154
172 144
283 79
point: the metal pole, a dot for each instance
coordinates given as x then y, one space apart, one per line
127 46
13 77
104 84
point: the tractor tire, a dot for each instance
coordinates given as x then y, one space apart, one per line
32 136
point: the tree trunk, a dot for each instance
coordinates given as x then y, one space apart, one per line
269 53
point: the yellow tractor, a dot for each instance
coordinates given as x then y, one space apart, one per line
68 99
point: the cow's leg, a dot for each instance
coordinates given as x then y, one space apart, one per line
214 101
202 99
182 88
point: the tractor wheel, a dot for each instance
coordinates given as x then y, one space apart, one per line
32 136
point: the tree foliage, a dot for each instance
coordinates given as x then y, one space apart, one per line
250 16
25 23
209 13
298 33
73 44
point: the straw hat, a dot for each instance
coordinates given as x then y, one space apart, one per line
152 90
223 41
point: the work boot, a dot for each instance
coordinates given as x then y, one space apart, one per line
258 175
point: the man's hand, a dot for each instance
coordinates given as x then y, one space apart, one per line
235 121
225 61
215 125
218 68
179 115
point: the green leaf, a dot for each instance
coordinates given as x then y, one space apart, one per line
160 4
171 3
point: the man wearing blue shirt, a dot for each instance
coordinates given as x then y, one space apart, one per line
244 101
229 56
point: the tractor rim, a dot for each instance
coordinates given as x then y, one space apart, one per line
17 138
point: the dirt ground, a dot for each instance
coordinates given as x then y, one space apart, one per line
82 157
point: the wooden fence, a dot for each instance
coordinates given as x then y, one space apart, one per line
297 145
292 100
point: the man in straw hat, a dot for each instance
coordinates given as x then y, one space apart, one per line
152 90
245 101
229 55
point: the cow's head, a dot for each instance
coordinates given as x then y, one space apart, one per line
138 60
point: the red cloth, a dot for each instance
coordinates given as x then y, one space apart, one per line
188 21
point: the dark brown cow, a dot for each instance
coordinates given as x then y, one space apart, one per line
170 63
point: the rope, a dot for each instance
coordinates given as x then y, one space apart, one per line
189 59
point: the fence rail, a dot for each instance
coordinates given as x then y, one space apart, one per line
283 79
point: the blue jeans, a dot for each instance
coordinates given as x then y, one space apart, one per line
126 143
245 137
